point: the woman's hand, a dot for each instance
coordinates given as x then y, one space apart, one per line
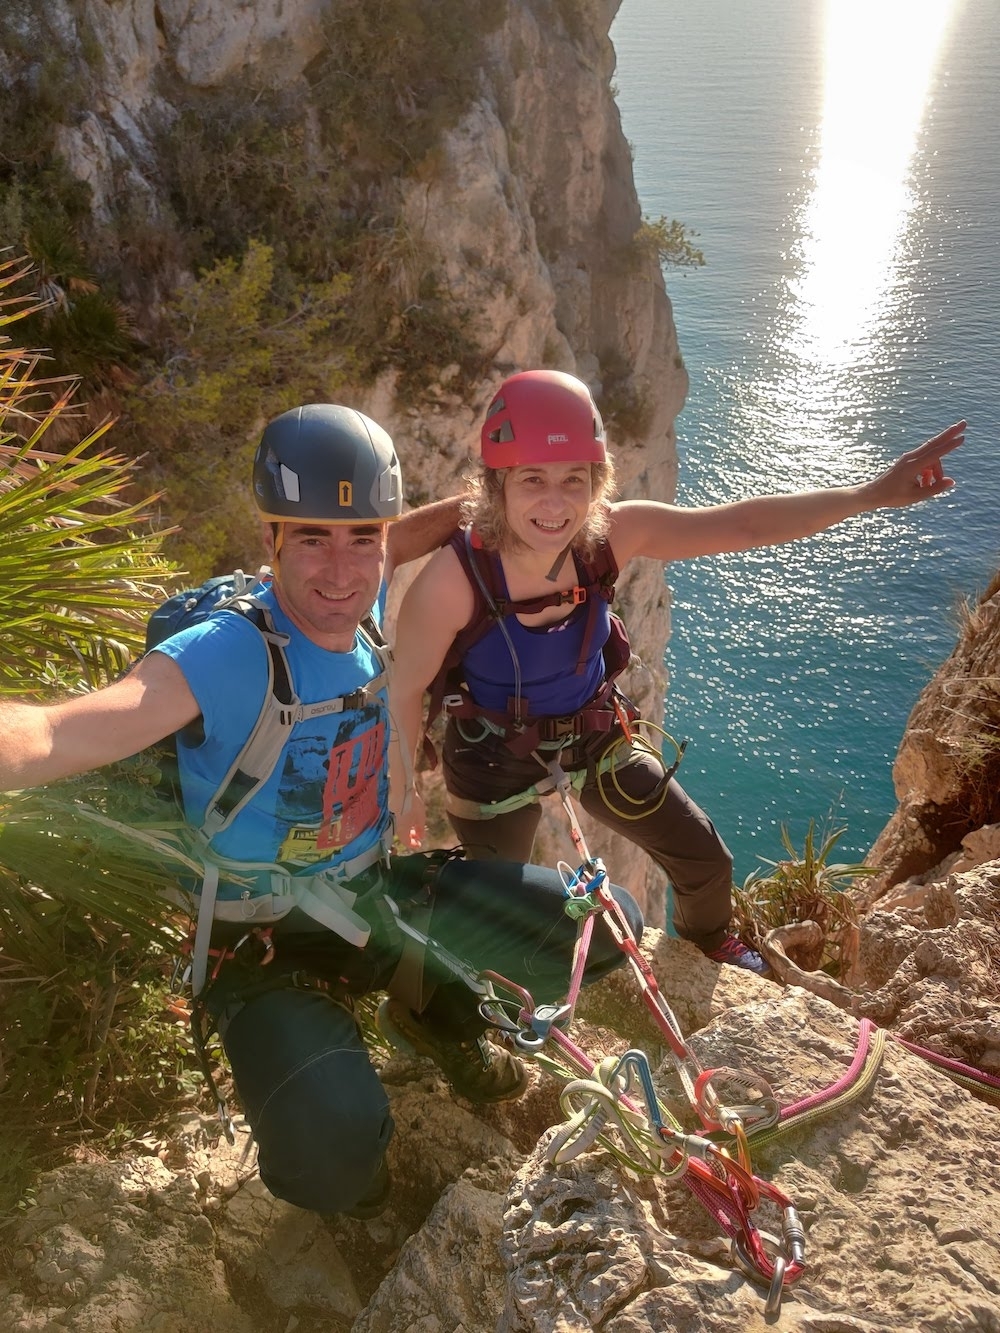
411 823
918 474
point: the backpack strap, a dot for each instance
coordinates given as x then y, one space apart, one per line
477 625
280 710
599 574
321 895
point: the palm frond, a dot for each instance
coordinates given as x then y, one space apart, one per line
59 849
80 571
79 567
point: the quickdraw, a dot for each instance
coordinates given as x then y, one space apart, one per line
615 1102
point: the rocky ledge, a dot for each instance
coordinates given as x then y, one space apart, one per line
896 1182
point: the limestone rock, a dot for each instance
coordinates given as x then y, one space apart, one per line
211 42
284 1255
900 1224
120 1245
449 1275
896 1186
930 972
947 771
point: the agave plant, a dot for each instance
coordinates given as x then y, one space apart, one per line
804 886
78 564
80 570
84 863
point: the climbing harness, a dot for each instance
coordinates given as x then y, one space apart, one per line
524 735
620 751
492 607
401 912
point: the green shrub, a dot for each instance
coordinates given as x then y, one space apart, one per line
670 241
396 74
84 934
238 164
234 353
419 338
45 213
806 887
626 405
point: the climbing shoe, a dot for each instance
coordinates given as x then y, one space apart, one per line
476 1069
375 1200
734 952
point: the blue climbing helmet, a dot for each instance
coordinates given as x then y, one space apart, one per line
326 464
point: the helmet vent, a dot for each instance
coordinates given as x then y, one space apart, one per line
503 434
289 483
388 488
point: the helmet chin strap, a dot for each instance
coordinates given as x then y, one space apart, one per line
553 573
278 530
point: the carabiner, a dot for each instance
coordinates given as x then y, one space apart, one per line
772 1306
493 1011
541 1023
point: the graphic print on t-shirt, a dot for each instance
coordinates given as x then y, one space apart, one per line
329 793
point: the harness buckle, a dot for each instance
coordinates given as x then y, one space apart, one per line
558 728
452 701
575 596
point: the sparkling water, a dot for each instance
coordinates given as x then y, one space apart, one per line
839 164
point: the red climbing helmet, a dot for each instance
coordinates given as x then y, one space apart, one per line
542 416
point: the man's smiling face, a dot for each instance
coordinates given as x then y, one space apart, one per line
327 577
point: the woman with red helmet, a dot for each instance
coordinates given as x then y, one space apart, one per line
509 626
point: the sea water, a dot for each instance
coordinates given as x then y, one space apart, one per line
839 164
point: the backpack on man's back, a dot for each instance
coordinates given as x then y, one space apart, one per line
272 891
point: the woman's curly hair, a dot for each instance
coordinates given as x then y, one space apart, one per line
483 508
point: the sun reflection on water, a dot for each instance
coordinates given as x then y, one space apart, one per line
847 288
879 58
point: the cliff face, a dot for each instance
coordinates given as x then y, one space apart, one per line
947 771
525 210
528 210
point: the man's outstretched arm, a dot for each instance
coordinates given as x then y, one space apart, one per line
39 743
421 531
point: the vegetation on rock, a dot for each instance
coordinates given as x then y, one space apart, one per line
84 935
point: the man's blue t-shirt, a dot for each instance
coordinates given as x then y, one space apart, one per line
327 799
